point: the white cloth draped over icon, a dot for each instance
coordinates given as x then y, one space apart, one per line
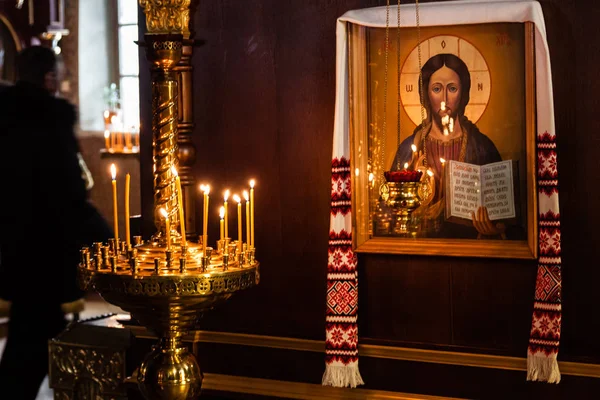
341 366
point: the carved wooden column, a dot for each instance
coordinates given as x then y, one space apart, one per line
185 125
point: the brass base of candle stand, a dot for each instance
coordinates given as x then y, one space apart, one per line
167 291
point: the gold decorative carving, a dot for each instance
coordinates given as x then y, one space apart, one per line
78 372
167 16
169 285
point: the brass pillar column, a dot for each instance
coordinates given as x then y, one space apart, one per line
167 25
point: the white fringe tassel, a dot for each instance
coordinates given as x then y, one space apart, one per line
342 376
542 368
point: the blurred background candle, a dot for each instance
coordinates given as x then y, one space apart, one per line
222 222
226 197
252 212
127 228
107 139
247 217
239 217
113 173
180 205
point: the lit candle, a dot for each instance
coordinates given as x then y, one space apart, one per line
226 197
127 231
107 139
222 222
443 106
239 216
113 172
167 227
247 217
252 213
205 216
180 205
443 161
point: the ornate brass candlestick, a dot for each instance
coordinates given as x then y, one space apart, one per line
166 283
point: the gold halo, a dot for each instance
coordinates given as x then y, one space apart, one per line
481 84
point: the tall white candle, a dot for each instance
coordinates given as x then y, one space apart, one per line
225 219
248 234
239 217
127 227
113 172
252 182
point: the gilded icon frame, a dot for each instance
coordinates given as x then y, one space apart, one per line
361 106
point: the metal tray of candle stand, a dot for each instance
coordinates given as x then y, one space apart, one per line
167 292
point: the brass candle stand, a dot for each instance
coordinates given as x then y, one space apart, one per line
167 291
166 283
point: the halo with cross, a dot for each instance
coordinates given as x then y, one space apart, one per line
478 68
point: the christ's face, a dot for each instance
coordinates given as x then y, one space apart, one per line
444 94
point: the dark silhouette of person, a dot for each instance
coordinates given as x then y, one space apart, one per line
46 217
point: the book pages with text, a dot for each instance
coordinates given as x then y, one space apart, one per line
497 189
471 186
464 189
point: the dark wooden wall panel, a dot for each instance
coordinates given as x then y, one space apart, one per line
410 301
492 304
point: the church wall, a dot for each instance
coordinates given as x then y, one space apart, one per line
264 89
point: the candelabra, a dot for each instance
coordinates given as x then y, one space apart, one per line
167 282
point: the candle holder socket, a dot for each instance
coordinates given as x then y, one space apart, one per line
225 261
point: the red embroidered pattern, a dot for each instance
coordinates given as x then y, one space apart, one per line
342 283
546 320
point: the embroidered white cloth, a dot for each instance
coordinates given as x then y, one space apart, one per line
342 294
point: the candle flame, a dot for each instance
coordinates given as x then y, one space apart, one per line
164 213
443 106
414 148
237 198
226 196
113 171
429 172
252 183
442 160
207 189
246 195
405 165
106 113
222 212
106 134
202 187
174 171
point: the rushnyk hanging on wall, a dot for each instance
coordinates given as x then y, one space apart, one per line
342 279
